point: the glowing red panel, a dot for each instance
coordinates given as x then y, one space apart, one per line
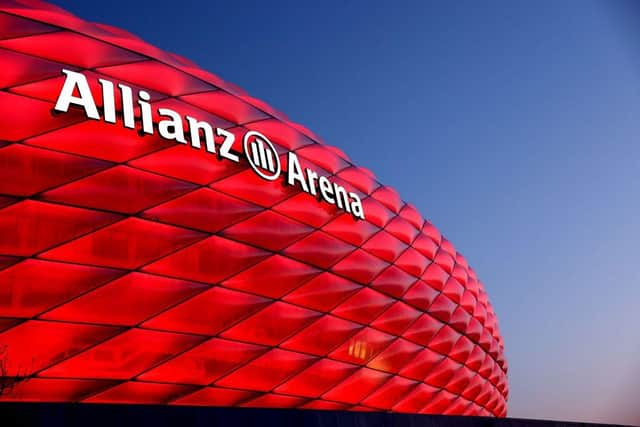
460 319
377 214
423 329
187 110
45 168
317 378
121 189
54 390
124 356
20 68
325 405
185 163
357 386
32 286
204 363
416 399
157 76
435 276
139 392
453 290
413 262
397 318
444 340
274 400
227 106
322 336
432 232
6 201
250 187
345 227
6 261
267 371
385 246
319 249
393 281
268 230
363 306
79 50
307 209
56 341
127 300
388 197
108 142
284 274
458 383
25 117
210 260
411 214
323 157
363 346
440 375
216 396
197 315
280 133
395 357
26 228
442 308
6 323
425 246
272 324
460 274
421 364
390 393
360 266
13 26
444 260
402 229
122 245
360 178
323 292
194 210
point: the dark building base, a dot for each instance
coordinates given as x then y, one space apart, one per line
85 415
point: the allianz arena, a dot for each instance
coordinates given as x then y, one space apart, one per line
167 239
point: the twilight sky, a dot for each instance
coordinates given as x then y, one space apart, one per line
512 125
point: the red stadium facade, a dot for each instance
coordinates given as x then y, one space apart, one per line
165 238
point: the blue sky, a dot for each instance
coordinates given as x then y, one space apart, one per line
512 125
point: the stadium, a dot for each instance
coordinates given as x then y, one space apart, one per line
168 239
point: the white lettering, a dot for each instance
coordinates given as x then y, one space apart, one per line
294 173
195 127
145 112
259 151
326 192
225 148
108 100
171 128
356 206
72 81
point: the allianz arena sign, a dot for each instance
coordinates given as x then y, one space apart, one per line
259 151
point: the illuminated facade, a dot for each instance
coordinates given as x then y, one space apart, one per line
166 238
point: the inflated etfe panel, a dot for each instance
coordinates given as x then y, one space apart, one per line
166 238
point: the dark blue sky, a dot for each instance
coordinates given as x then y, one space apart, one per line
512 125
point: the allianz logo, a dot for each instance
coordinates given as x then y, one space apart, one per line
259 152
